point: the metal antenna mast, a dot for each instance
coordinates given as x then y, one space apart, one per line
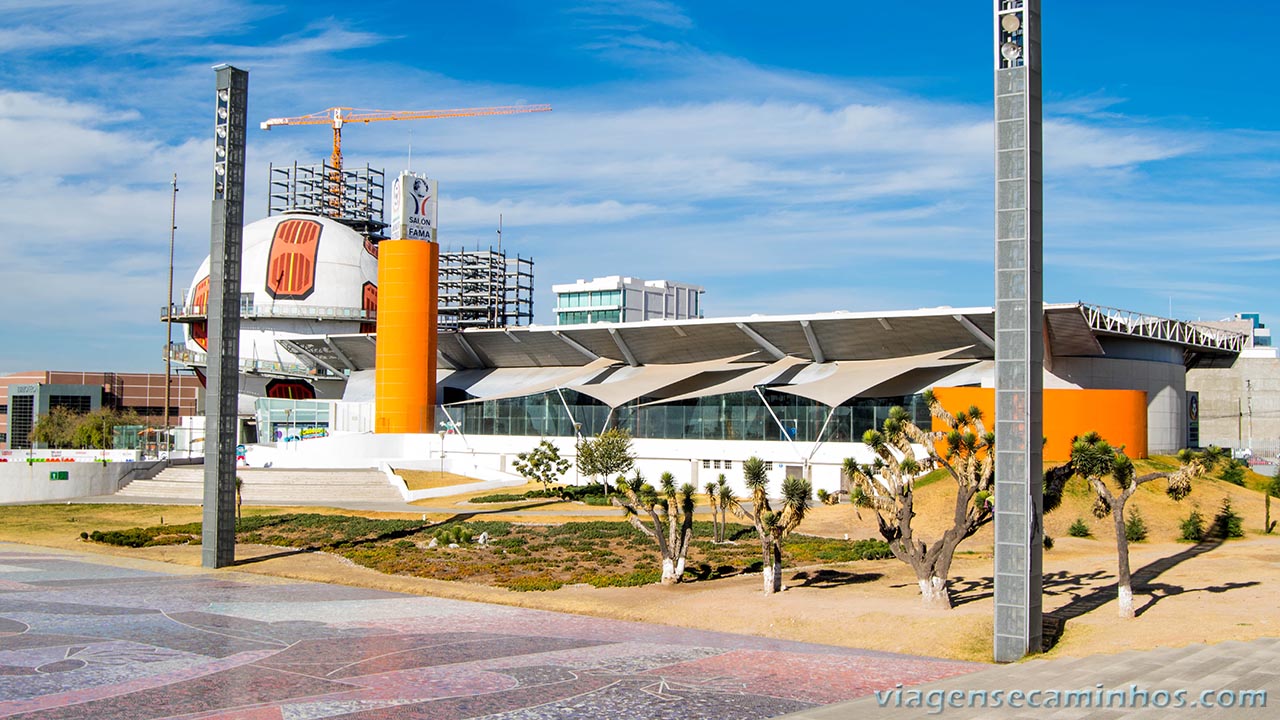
168 322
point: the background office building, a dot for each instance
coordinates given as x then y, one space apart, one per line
24 397
625 299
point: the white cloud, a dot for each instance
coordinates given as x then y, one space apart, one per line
607 13
779 190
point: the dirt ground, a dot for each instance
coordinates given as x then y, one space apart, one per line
1185 593
1224 593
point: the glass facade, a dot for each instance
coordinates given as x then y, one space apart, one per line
279 419
21 420
581 317
593 298
733 416
74 403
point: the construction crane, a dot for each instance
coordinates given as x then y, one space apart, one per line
339 116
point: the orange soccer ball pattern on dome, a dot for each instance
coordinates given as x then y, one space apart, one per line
291 264
369 301
200 299
291 390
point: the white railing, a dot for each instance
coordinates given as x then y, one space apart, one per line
185 355
291 311
1135 324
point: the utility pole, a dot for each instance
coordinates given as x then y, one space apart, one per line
168 323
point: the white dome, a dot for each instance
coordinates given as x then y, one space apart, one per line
301 274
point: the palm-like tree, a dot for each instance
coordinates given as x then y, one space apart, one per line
967 455
772 527
726 501
672 508
1096 460
713 499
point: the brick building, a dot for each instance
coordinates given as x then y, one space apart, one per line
25 396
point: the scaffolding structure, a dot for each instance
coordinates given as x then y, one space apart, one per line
353 197
484 289
477 288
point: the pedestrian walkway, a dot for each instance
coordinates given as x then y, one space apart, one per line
92 636
275 487
1197 682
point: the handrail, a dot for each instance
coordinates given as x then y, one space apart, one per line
184 354
292 311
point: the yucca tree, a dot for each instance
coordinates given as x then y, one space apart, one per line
771 527
670 511
888 482
727 500
719 497
713 499
1094 459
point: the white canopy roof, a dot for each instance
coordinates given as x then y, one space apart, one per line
833 383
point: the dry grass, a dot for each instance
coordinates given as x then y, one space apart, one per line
1227 593
430 479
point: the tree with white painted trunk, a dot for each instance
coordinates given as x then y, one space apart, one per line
965 450
1094 459
772 526
719 497
670 511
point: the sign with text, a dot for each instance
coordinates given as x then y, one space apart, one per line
413 208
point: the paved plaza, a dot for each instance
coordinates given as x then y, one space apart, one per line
92 636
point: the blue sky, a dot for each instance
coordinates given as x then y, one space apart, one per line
795 157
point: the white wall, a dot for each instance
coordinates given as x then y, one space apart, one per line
29 483
490 457
682 458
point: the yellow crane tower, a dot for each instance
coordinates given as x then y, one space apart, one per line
339 116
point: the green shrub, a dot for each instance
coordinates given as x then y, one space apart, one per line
452 534
1048 543
634 578
498 498
535 583
1227 523
1079 529
579 493
149 536
1234 473
1193 527
1135 528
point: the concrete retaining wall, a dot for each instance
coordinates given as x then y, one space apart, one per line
23 483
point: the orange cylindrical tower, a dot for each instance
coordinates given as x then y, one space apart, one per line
405 372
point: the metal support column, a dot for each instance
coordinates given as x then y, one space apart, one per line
223 386
1019 330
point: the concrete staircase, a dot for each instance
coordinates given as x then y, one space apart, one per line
270 487
1240 666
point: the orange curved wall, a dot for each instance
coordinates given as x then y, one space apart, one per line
1120 416
405 374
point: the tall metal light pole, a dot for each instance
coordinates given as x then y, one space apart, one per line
1019 330
168 322
223 386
